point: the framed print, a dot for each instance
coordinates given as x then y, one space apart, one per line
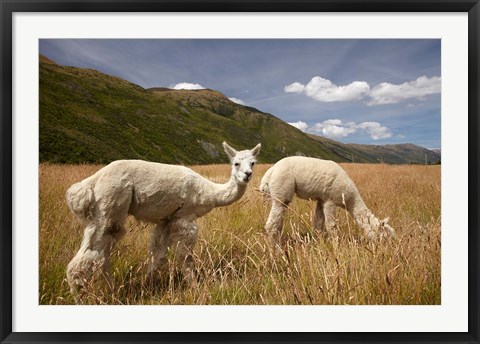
239 172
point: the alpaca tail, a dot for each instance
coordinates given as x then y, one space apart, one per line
264 184
80 198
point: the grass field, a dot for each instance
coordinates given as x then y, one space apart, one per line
234 264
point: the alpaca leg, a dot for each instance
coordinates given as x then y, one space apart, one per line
324 219
93 255
158 247
274 223
114 198
79 269
104 244
319 218
113 201
183 236
329 210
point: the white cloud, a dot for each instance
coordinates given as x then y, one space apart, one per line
187 86
336 128
300 125
236 100
296 87
375 130
323 90
386 93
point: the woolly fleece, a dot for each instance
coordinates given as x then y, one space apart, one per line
316 179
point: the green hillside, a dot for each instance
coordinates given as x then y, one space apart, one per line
88 116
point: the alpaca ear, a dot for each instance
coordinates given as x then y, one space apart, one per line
229 150
256 150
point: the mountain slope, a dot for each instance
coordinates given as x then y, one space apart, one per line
88 116
405 153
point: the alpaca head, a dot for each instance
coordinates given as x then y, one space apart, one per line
242 162
386 229
375 228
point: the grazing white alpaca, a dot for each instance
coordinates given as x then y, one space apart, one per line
170 196
321 180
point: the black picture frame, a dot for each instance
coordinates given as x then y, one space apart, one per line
9 7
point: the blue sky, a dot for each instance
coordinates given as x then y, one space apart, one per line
351 90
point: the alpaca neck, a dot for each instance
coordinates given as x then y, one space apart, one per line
226 194
359 207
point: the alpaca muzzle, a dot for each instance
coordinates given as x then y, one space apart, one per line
248 176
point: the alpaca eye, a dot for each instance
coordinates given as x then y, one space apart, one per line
237 164
252 163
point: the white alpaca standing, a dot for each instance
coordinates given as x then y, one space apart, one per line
170 196
321 180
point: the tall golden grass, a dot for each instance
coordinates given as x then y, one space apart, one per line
234 264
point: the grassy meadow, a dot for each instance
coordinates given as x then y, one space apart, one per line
234 264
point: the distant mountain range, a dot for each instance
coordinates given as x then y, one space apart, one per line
89 116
